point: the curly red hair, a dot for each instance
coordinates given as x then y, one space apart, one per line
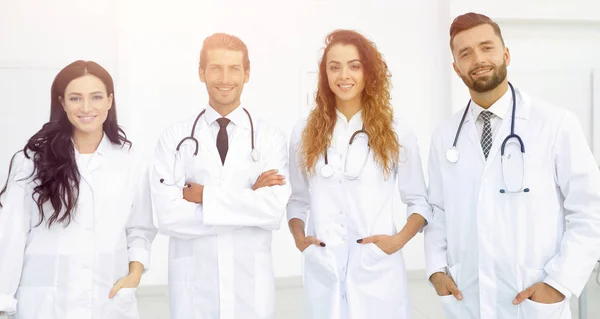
377 112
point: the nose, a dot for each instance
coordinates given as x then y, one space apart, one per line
344 72
224 76
86 106
478 58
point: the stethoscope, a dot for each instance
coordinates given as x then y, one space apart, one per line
327 169
254 152
452 154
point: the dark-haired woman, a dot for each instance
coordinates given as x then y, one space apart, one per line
76 220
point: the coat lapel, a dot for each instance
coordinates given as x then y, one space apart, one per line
473 135
207 142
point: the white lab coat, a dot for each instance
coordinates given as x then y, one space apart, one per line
68 272
345 279
495 245
220 263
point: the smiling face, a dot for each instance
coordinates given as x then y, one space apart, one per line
480 58
224 76
86 104
345 73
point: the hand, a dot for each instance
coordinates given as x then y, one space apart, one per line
269 178
193 193
307 241
129 281
444 285
541 293
388 244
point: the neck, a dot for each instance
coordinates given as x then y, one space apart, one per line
87 143
224 109
487 99
349 108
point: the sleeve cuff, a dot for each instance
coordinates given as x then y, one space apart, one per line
140 255
291 216
430 273
8 304
423 211
554 284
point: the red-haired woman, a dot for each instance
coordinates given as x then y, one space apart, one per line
346 160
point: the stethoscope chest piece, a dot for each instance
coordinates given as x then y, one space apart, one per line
452 155
255 156
326 171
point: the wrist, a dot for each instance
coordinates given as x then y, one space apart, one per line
399 240
435 276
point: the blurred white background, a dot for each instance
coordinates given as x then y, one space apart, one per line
152 48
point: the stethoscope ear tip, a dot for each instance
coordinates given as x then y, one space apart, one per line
526 190
502 191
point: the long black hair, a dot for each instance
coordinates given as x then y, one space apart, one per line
51 148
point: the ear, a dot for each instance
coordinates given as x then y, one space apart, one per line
507 56
202 76
110 101
456 70
247 76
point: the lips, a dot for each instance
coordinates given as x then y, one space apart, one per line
224 89
482 71
86 118
345 87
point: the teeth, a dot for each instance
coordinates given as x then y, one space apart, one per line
345 86
483 71
225 89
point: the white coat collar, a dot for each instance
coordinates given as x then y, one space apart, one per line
238 116
504 106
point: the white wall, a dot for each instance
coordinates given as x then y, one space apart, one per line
152 47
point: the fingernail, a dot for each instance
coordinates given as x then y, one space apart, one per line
459 296
515 302
322 244
359 241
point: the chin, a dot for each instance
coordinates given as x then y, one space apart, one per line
347 96
87 130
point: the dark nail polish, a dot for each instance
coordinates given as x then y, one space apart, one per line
359 241
322 244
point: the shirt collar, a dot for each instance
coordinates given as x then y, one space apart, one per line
237 116
354 121
499 108
104 148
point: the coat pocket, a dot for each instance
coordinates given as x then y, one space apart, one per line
36 302
453 308
535 310
123 305
377 274
319 277
530 309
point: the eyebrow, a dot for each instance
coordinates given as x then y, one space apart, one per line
226 65
351 61
96 92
